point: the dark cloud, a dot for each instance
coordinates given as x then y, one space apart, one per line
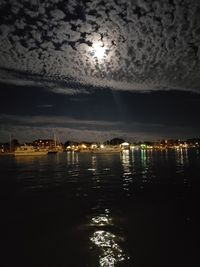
101 114
147 44
45 106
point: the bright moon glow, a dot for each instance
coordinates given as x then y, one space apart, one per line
99 51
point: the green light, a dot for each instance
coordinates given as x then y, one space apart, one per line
143 146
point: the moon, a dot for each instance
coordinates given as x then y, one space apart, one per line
99 51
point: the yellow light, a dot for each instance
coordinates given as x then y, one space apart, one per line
84 146
125 144
93 146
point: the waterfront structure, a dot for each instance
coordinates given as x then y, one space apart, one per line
125 146
53 146
106 149
27 150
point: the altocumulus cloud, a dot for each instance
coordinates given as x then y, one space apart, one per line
148 45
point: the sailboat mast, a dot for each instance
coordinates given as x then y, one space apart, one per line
10 143
55 140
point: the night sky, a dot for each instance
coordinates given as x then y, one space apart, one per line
93 70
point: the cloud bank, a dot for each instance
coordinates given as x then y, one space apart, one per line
29 128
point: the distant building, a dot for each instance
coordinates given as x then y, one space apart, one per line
44 143
125 146
193 142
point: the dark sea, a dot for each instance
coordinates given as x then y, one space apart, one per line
136 209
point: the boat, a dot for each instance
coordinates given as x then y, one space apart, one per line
107 149
85 150
28 150
94 148
57 148
52 151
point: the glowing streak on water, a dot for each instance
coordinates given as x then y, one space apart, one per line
110 251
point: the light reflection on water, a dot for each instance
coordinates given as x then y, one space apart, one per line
144 158
72 157
127 170
144 165
181 162
181 157
111 253
108 243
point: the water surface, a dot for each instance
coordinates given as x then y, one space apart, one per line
85 210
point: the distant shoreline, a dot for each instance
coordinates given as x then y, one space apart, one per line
7 154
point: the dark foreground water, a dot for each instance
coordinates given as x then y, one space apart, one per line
85 210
